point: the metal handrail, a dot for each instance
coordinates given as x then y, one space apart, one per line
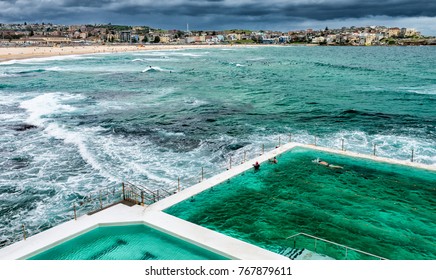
168 193
139 187
94 195
338 244
151 195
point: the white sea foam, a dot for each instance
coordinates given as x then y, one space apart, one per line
155 174
171 53
195 102
10 117
184 53
257 58
153 54
169 133
140 161
54 69
59 58
15 61
427 90
41 60
165 59
154 58
6 75
78 139
390 146
155 68
8 62
43 106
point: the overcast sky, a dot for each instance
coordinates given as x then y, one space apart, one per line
280 15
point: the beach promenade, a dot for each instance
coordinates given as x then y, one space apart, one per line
10 53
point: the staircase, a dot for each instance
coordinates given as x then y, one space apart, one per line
291 253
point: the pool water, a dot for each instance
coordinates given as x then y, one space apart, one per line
383 209
132 242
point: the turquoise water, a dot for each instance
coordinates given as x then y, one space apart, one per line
133 242
378 208
75 124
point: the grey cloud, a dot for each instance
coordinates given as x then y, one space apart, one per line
363 9
321 11
88 3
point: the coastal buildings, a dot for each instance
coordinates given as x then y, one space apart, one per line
49 34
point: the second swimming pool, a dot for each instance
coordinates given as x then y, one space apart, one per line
131 242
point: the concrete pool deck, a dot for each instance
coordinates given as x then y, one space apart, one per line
154 216
121 214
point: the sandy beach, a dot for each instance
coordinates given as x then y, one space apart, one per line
11 53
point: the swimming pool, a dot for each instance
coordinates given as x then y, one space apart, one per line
127 242
384 209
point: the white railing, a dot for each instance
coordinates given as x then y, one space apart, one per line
334 243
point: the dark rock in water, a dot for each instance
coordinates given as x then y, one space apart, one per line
19 162
101 254
149 256
24 127
350 111
20 159
234 147
121 242
4 243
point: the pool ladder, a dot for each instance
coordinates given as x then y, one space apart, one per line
291 253
315 238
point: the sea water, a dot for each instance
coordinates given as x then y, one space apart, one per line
75 124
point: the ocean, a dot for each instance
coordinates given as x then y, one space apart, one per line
72 125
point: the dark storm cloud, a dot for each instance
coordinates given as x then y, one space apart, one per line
333 10
318 10
89 3
324 11
305 9
218 12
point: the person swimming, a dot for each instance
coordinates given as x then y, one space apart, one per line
256 165
274 160
325 163
321 162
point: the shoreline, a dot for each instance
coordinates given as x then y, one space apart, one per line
20 53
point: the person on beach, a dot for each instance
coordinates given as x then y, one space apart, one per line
256 165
